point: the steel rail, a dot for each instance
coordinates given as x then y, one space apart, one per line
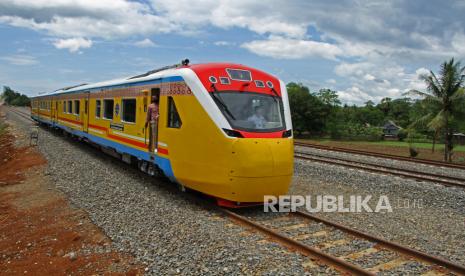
19 113
381 155
303 248
443 182
388 244
453 178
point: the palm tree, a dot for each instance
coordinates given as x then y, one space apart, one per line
444 95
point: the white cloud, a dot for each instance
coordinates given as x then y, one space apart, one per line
145 43
84 18
331 81
458 43
22 60
261 17
370 81
288 48
369 77
73 44
223 43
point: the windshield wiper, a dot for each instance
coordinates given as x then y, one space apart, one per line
276 93
221 102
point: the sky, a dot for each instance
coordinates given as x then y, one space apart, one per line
364 50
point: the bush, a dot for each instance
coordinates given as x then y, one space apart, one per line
355 132
402 134
413 151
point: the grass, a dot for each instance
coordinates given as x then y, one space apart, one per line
393 144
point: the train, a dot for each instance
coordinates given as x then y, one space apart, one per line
224 129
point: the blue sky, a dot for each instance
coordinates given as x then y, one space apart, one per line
365 50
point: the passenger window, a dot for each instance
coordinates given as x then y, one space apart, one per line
98 108
70 107
108 106
174 121
77 107
64 106
86 103
129 110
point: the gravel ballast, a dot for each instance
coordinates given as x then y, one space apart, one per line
149 218
172 234
426 216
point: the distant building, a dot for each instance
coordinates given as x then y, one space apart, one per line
458 138
390 129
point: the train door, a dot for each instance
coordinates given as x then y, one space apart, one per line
85 114
152 129
55 117
50 110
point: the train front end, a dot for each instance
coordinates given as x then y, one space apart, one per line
250 146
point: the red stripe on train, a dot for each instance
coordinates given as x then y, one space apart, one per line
71 121
162 151
127 140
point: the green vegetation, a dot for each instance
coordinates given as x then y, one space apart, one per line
445 97
424 122
395 144
14 98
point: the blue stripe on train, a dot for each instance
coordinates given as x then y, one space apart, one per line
163 163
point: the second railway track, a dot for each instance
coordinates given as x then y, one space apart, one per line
382 169
381 155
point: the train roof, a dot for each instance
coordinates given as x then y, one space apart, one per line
160 73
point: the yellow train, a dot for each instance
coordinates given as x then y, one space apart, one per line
223 129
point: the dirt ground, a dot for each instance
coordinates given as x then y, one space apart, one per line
438 155
40 232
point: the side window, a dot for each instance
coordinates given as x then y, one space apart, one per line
108 106
70 107
85 106
174 121
129 110
98 108
64 106
77 107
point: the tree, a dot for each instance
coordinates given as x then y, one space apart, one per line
385 106
446 94
328 97
306 109
14 98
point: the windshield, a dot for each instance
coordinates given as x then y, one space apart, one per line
252 112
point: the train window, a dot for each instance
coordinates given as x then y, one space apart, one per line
224 80
259 83
86 103
250 111
64 106
77 105
98 108
129 110
70 107
174 121
108 106
239 75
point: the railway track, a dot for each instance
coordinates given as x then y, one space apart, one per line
316 237
381 155
405 173
23 115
